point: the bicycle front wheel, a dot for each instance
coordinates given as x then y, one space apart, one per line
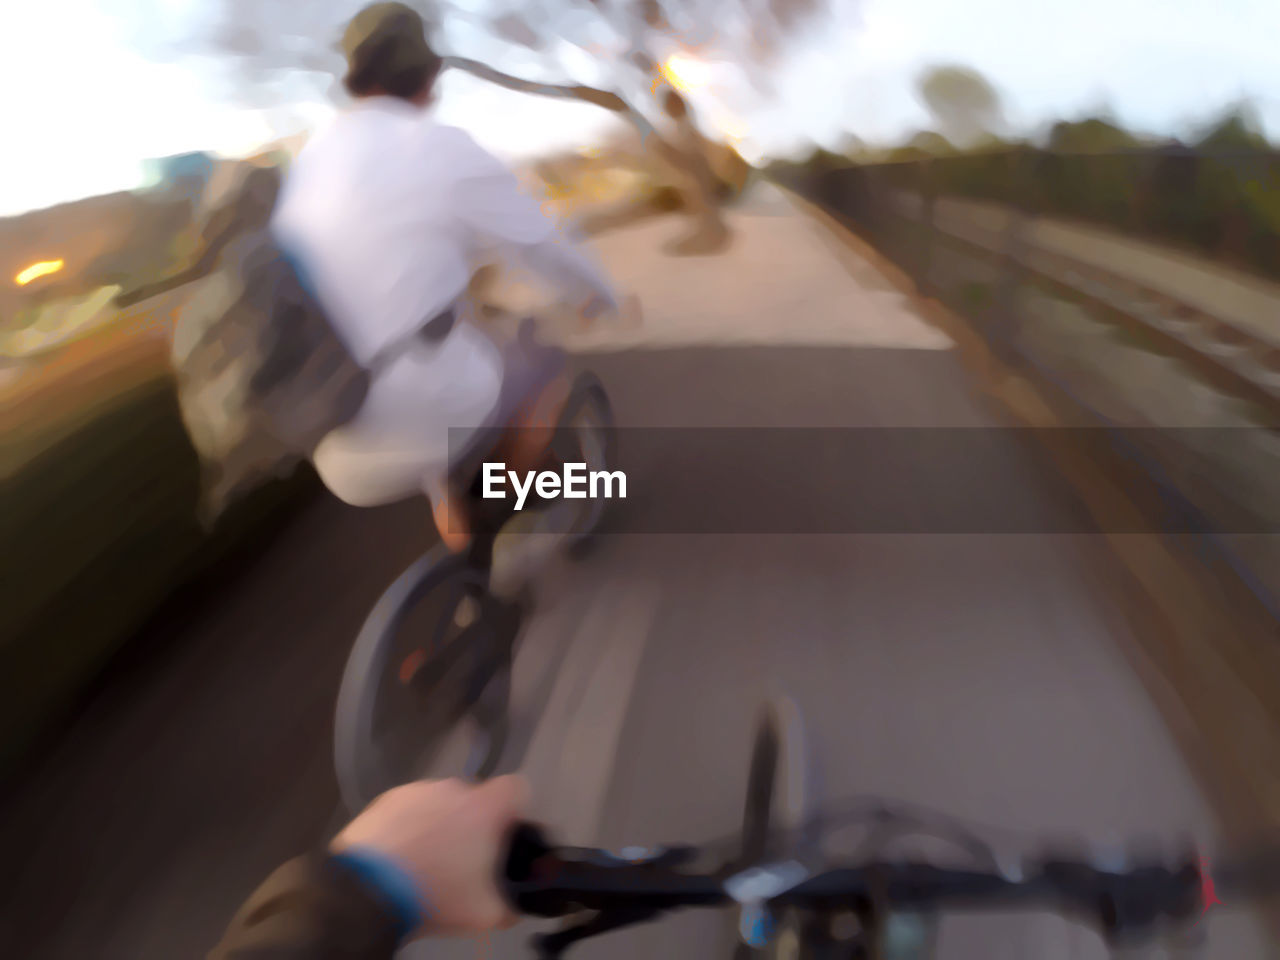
779 799
776 821
587 434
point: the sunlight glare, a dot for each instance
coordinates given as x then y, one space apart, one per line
37 270
685 73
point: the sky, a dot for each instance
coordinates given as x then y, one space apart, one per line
85 109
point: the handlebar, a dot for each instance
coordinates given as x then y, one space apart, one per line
544 880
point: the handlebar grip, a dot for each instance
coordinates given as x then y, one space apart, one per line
525 846
519 881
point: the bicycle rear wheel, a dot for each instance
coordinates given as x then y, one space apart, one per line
587 434
424 679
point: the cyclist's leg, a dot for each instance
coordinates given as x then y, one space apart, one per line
536 387
534 392
450 514
527 443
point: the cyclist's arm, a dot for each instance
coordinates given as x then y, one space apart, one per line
312 908
501 217
422 858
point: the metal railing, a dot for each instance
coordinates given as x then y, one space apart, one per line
1120 343
1223 206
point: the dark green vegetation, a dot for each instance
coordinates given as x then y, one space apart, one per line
99 528
1224 206
1218 197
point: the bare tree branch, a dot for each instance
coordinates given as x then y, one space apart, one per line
575 91
278 44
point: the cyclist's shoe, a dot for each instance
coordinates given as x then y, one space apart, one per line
467 611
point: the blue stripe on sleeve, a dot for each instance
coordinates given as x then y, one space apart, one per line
389 882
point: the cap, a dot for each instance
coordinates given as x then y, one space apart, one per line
384 41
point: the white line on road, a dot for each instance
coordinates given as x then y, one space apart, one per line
571 758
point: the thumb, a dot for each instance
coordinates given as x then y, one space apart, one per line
505 797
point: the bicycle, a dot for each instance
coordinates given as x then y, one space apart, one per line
452 667
790 904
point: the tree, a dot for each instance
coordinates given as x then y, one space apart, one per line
1236 129
930 144
1091 135
822 160
637 58
1236 201
964 105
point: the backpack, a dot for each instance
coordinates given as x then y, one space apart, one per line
262 375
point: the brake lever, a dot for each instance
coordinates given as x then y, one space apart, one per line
531 857
528 849
552 946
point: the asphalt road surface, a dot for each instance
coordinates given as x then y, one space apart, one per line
981 674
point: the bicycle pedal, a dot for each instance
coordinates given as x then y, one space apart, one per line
466 613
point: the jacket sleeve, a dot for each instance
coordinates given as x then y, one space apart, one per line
502 218
310 909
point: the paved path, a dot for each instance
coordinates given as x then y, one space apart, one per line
981 674
777 286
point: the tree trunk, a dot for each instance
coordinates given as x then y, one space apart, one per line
558 91
689 162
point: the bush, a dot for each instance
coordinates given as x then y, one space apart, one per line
102 520
1092 135
1225 206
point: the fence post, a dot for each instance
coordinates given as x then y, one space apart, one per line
1012 271
928 203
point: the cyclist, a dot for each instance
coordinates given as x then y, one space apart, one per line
389 213
421 859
